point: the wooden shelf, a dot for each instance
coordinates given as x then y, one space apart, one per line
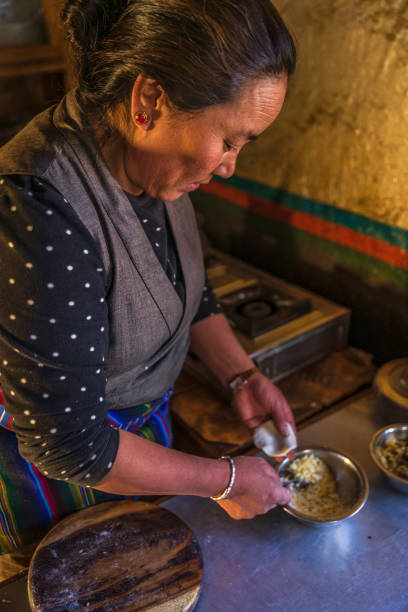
31 59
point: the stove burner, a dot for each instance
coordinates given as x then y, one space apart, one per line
257 309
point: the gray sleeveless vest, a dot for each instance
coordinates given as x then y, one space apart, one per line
149 327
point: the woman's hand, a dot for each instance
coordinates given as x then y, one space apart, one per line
213 341
259 400
256 489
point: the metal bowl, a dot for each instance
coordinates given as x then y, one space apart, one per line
352 485
400 432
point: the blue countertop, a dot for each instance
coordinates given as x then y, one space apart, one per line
273 562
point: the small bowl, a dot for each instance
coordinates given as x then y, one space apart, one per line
400 432
352 485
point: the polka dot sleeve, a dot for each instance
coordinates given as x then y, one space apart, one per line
53 333
209 305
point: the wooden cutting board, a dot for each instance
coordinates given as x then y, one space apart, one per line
125 555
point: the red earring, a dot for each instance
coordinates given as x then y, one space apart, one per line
141 118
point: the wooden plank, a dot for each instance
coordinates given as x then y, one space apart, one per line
28 53
22 60
52 10
32 68
204 414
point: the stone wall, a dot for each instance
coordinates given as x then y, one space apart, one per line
321 197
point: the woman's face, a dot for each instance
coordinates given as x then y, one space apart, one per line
179 152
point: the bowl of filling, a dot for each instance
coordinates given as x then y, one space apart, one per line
389 451
327 486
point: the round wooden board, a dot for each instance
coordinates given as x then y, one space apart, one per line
125 555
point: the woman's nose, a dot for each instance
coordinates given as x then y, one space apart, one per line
226 168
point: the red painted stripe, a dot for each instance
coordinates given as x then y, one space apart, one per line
314 225
164 424
9 424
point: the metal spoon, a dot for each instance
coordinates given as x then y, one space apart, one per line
289 480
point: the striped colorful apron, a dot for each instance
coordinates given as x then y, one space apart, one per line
31 503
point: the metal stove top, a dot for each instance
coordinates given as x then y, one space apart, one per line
281 326
258 308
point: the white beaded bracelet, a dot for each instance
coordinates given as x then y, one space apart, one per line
227 490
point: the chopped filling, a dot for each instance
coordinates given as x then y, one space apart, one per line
320 499
394 457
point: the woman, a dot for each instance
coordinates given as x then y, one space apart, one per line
101 262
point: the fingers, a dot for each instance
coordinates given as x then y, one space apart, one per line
285 496
260 400
281 495
257 490
283 415
272 402
236 511
255 421
248 509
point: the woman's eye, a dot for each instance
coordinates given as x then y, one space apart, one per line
229 147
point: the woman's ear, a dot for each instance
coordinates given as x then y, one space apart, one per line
147 100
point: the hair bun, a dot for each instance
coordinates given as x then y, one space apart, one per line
87 22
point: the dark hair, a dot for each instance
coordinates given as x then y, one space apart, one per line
201 52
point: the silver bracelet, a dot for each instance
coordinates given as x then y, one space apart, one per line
227 490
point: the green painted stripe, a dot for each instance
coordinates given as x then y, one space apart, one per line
359 223
234 217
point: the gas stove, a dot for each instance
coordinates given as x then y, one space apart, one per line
257 309
281 326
